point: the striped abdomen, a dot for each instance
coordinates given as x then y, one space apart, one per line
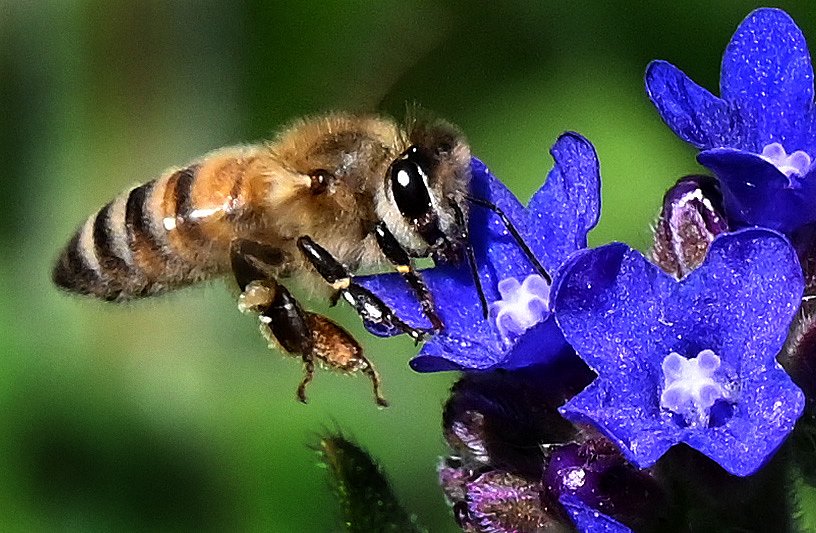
161 235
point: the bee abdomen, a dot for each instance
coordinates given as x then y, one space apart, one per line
98 260
145 242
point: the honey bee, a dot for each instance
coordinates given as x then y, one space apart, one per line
329 196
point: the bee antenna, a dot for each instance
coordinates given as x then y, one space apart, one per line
471 258
514 232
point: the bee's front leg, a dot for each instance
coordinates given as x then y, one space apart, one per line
308 335
370 308
398 257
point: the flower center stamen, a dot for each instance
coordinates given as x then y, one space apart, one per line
522 305
692 386
795 164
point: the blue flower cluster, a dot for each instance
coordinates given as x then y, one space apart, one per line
759 137
685 350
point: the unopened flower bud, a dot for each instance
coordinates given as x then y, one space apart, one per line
367 501
690 219
596 473
501 418
501 502
799 355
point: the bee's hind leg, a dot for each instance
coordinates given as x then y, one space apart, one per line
308 335
308 369
336 348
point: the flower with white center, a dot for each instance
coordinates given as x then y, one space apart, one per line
691 386
522 305
757 137
732 401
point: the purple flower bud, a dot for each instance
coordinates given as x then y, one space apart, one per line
690 219
799 355
491 500
501 502
502 418
453 477
596 473
804 240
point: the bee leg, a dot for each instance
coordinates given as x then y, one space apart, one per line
253 261
370 308
308 369
308 335
398 257
337 349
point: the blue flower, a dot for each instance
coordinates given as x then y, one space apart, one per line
689 361
521 330
587 519
759 137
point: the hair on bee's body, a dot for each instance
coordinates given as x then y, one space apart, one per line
176 230
328 196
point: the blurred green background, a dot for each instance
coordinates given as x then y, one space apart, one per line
171 414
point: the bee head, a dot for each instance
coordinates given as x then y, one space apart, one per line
423 189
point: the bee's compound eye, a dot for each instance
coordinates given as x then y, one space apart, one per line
409 184
320 181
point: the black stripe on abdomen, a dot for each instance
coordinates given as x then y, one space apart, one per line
121 278
140 232
103 236
187 225
72 272
151 252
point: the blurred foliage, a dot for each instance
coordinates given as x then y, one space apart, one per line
171 413
365 497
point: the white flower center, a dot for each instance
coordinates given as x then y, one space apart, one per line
522 305
795 164
692 386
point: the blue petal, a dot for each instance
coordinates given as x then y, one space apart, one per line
606 297
623 316
767 76
628 414
568 205
543 342
694 114
755 192
771 405
434 363
589 520
744 296
452 351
